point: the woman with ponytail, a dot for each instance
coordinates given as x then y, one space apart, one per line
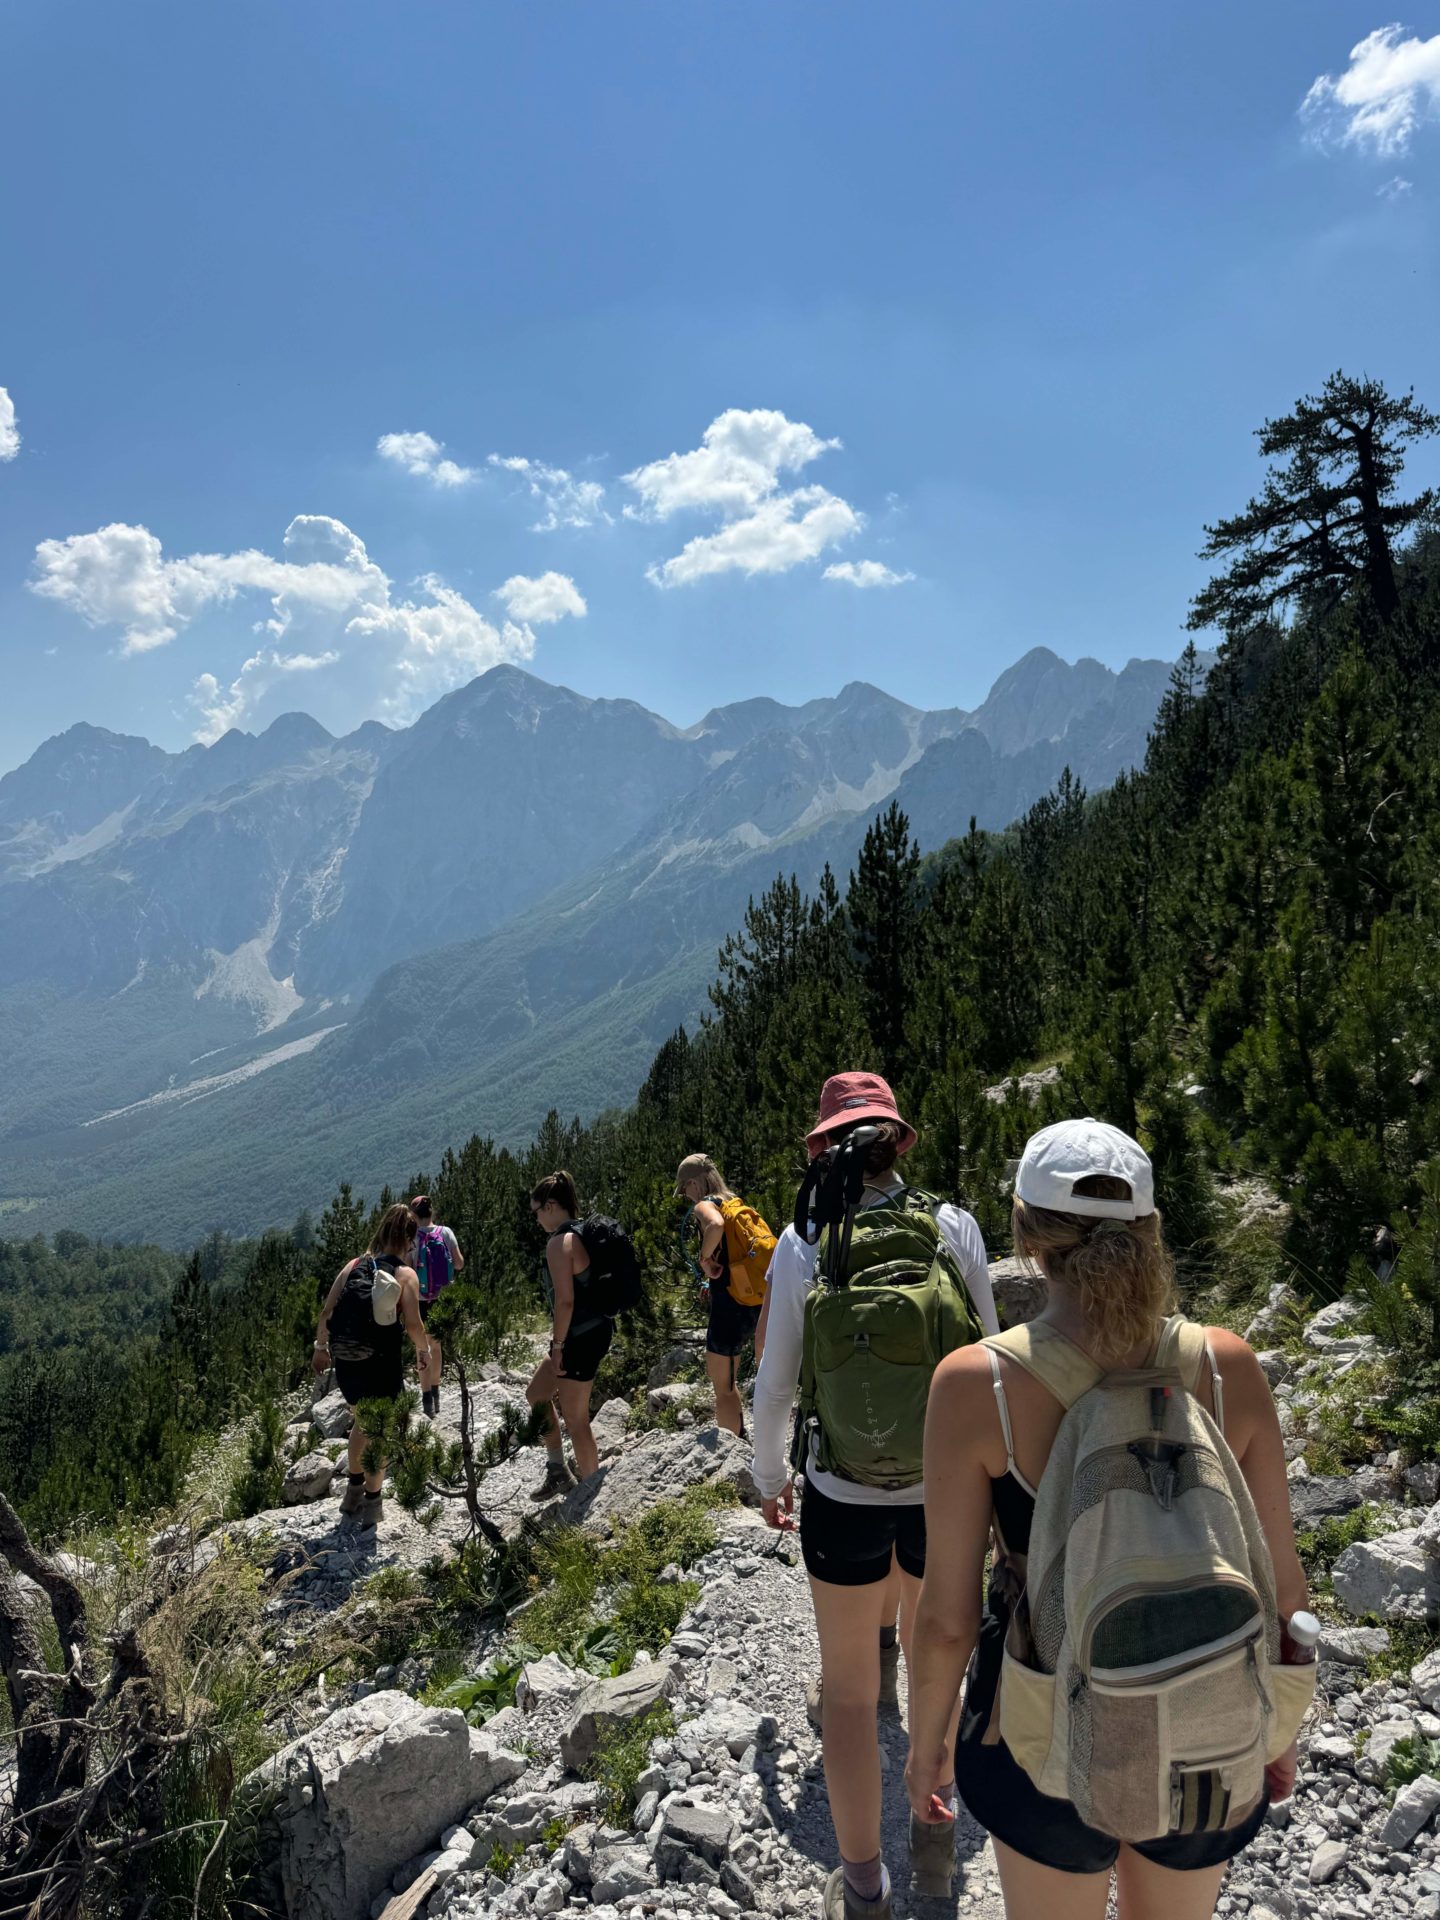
1085 1215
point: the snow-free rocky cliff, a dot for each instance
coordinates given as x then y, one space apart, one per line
199 951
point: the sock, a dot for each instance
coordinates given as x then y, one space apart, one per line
866 1879
554 1452
947 1794
356 1479
888 1636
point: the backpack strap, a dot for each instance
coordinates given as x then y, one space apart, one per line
1186 1348
1057 1363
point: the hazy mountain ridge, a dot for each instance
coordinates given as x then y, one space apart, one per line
507 904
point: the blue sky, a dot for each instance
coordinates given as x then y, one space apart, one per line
1039 273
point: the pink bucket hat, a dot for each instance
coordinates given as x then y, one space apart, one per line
847 1098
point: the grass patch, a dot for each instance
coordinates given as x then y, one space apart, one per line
622 1756
1320 1547
1411 1757
1410 1642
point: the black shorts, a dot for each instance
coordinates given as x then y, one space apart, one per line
731 1327
1007 1803
582 1353
381 1377
851 1546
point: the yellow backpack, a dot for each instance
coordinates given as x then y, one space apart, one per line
749 1244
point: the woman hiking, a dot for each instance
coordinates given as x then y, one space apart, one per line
436 1258
370 1301
1151 1692
863 1544
732 1322
579 1338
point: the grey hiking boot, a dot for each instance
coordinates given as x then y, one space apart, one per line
932 1858
351 1498
558 1479
842 1903
371 1508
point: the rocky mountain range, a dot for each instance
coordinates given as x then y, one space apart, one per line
499 908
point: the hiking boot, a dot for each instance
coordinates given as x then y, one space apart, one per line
932 1858
558 1479
430 1403
351 1498
371 1508
843 1903
890 1675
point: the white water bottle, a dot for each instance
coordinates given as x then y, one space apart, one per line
1299 1638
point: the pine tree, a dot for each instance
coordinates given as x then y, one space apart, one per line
1328 517
885 905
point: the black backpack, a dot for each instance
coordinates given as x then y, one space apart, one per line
611 1284
353 1328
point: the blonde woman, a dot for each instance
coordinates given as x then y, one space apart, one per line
1085 1213
731 1326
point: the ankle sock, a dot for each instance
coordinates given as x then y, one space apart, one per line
356 1479
888 1637
866 1879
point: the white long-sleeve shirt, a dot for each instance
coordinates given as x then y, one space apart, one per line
791 1276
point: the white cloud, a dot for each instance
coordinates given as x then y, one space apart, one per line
420 454
1389 87
780 534
9 427
1395 189
866 573
327 583
551 597
220 709
567 502
737 465
118 576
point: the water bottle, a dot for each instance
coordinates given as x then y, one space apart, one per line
1299 1637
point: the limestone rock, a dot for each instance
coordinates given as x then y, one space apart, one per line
610 1703
1425 1681
687 1830
1412 1809
1391 1577
1326 1861
1029 1086
308 1478
684 1393
1352 1646
543 1680
670 1366
332 1416
1374 1763
1274 1364
660 1466
1428 1536
1423 1480
1272 1318
367 1789
1325 1327
1323 1496
609 1425
1019 1290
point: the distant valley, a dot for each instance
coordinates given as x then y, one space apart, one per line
232 976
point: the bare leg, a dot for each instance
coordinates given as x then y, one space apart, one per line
849 1620
1032 1891
723 1370
430 1375
574 1397
1148 1892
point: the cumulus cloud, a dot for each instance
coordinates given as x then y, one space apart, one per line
222 708
421 455
564 500
1395 189
327 584
735 473
780 534
737 465
1391 85
866 573
551 597
9 427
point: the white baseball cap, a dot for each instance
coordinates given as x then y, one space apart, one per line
1056 1157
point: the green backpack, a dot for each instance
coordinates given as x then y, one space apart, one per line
874 1335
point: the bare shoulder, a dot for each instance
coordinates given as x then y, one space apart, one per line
709 1210
963 1383
1245 1383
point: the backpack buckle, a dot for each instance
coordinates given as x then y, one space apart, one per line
1161 1461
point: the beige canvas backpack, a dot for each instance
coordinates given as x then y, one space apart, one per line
1141 1678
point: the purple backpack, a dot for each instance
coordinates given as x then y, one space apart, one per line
432 1263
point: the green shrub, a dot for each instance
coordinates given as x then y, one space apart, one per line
623 1755
1320 1547
1411 1757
